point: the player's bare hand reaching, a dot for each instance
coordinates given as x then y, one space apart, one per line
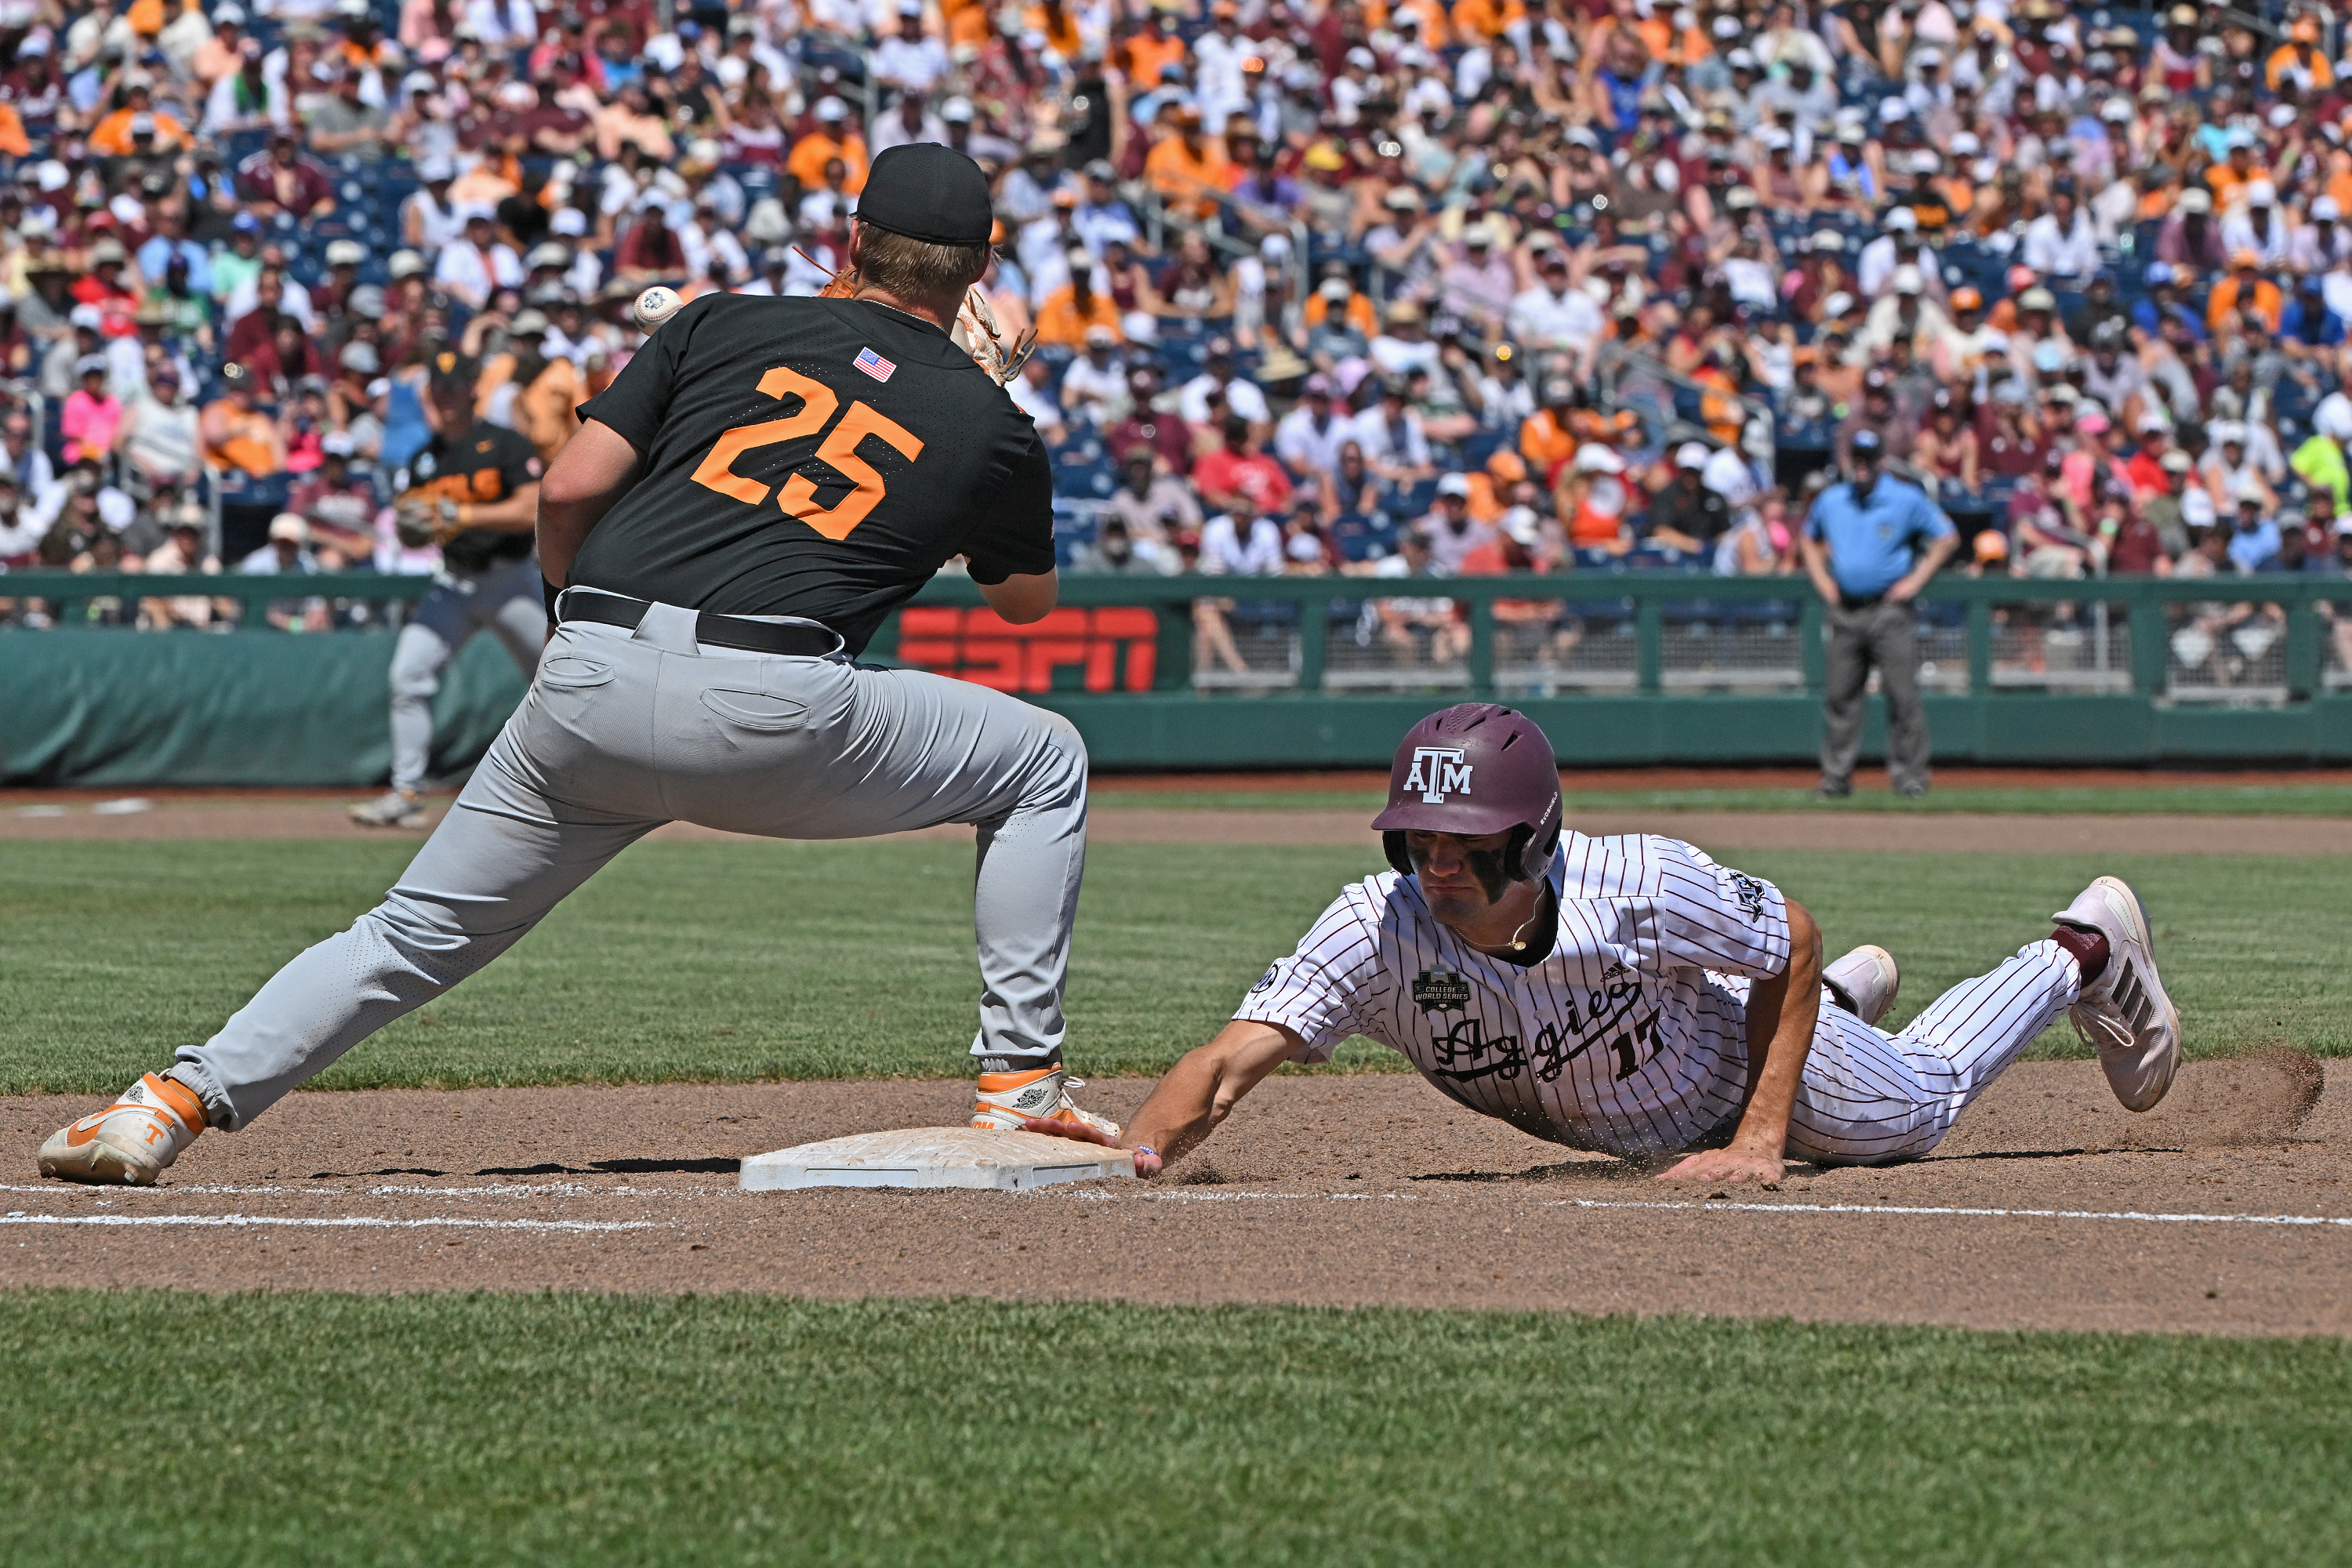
1147 1160
1197 1094
1782 1012
1731 1166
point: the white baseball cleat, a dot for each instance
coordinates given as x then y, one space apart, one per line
1865 981
1003 1101
2125 1015
129 1142
397 808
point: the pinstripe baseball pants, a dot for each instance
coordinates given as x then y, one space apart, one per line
1868 1098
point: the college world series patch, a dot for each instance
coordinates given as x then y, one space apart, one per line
1440 990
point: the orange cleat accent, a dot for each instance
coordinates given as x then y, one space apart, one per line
1002 1101
133 1140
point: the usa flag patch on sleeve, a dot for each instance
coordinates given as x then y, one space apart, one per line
874 364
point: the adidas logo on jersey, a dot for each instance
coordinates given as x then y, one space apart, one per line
1438 772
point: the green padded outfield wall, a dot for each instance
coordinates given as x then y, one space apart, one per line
112 707
106 708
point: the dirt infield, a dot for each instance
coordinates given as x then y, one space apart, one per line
248 816
2229 1210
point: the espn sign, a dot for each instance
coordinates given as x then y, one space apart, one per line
1115 649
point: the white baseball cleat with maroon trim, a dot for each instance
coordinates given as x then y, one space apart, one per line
2125 1015
1865 981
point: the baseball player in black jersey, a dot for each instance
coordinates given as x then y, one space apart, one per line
475 492
1631 996
761 486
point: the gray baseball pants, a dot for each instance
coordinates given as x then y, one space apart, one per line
623 731
505 602
1885 635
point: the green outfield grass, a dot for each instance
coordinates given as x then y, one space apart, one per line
765 960
317 1430
2197 800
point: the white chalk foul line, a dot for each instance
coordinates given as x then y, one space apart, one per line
1707 1206
342 1222
496 1190
1718 1206
1087 1194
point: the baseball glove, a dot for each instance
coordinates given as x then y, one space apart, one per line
420 521
975 331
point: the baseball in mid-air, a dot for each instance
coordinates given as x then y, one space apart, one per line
657 305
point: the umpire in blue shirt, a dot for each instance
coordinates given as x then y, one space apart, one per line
1869 545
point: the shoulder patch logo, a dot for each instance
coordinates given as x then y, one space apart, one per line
481 445
1750 894
874 364
1438 772
1440 990
1265 982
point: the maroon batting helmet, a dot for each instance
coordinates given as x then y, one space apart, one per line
1472 769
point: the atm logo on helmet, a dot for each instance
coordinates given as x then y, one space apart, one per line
1438 772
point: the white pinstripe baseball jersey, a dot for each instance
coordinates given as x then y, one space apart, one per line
1628 1038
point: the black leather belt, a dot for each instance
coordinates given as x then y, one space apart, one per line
1852 602
791 641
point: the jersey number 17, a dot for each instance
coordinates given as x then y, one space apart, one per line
837 450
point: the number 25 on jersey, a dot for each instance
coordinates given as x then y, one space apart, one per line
838 450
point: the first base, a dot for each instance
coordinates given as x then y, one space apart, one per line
935 1157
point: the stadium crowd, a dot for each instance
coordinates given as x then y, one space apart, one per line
1379 286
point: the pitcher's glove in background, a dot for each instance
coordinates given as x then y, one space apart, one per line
420 521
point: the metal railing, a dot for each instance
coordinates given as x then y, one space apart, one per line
74 598
1642 606
1645 605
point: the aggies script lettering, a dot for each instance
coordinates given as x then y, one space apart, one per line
1464 1052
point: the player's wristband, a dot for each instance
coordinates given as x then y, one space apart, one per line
550 592
1145 1149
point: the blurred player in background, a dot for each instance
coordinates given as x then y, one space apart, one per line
473 490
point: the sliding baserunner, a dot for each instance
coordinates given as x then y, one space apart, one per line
1631 996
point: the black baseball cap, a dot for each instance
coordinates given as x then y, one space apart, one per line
1866 443
930 193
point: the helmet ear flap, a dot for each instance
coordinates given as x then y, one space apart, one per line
1521 866
1536 857
1393 846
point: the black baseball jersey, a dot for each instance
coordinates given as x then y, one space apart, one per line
814 457
488 463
